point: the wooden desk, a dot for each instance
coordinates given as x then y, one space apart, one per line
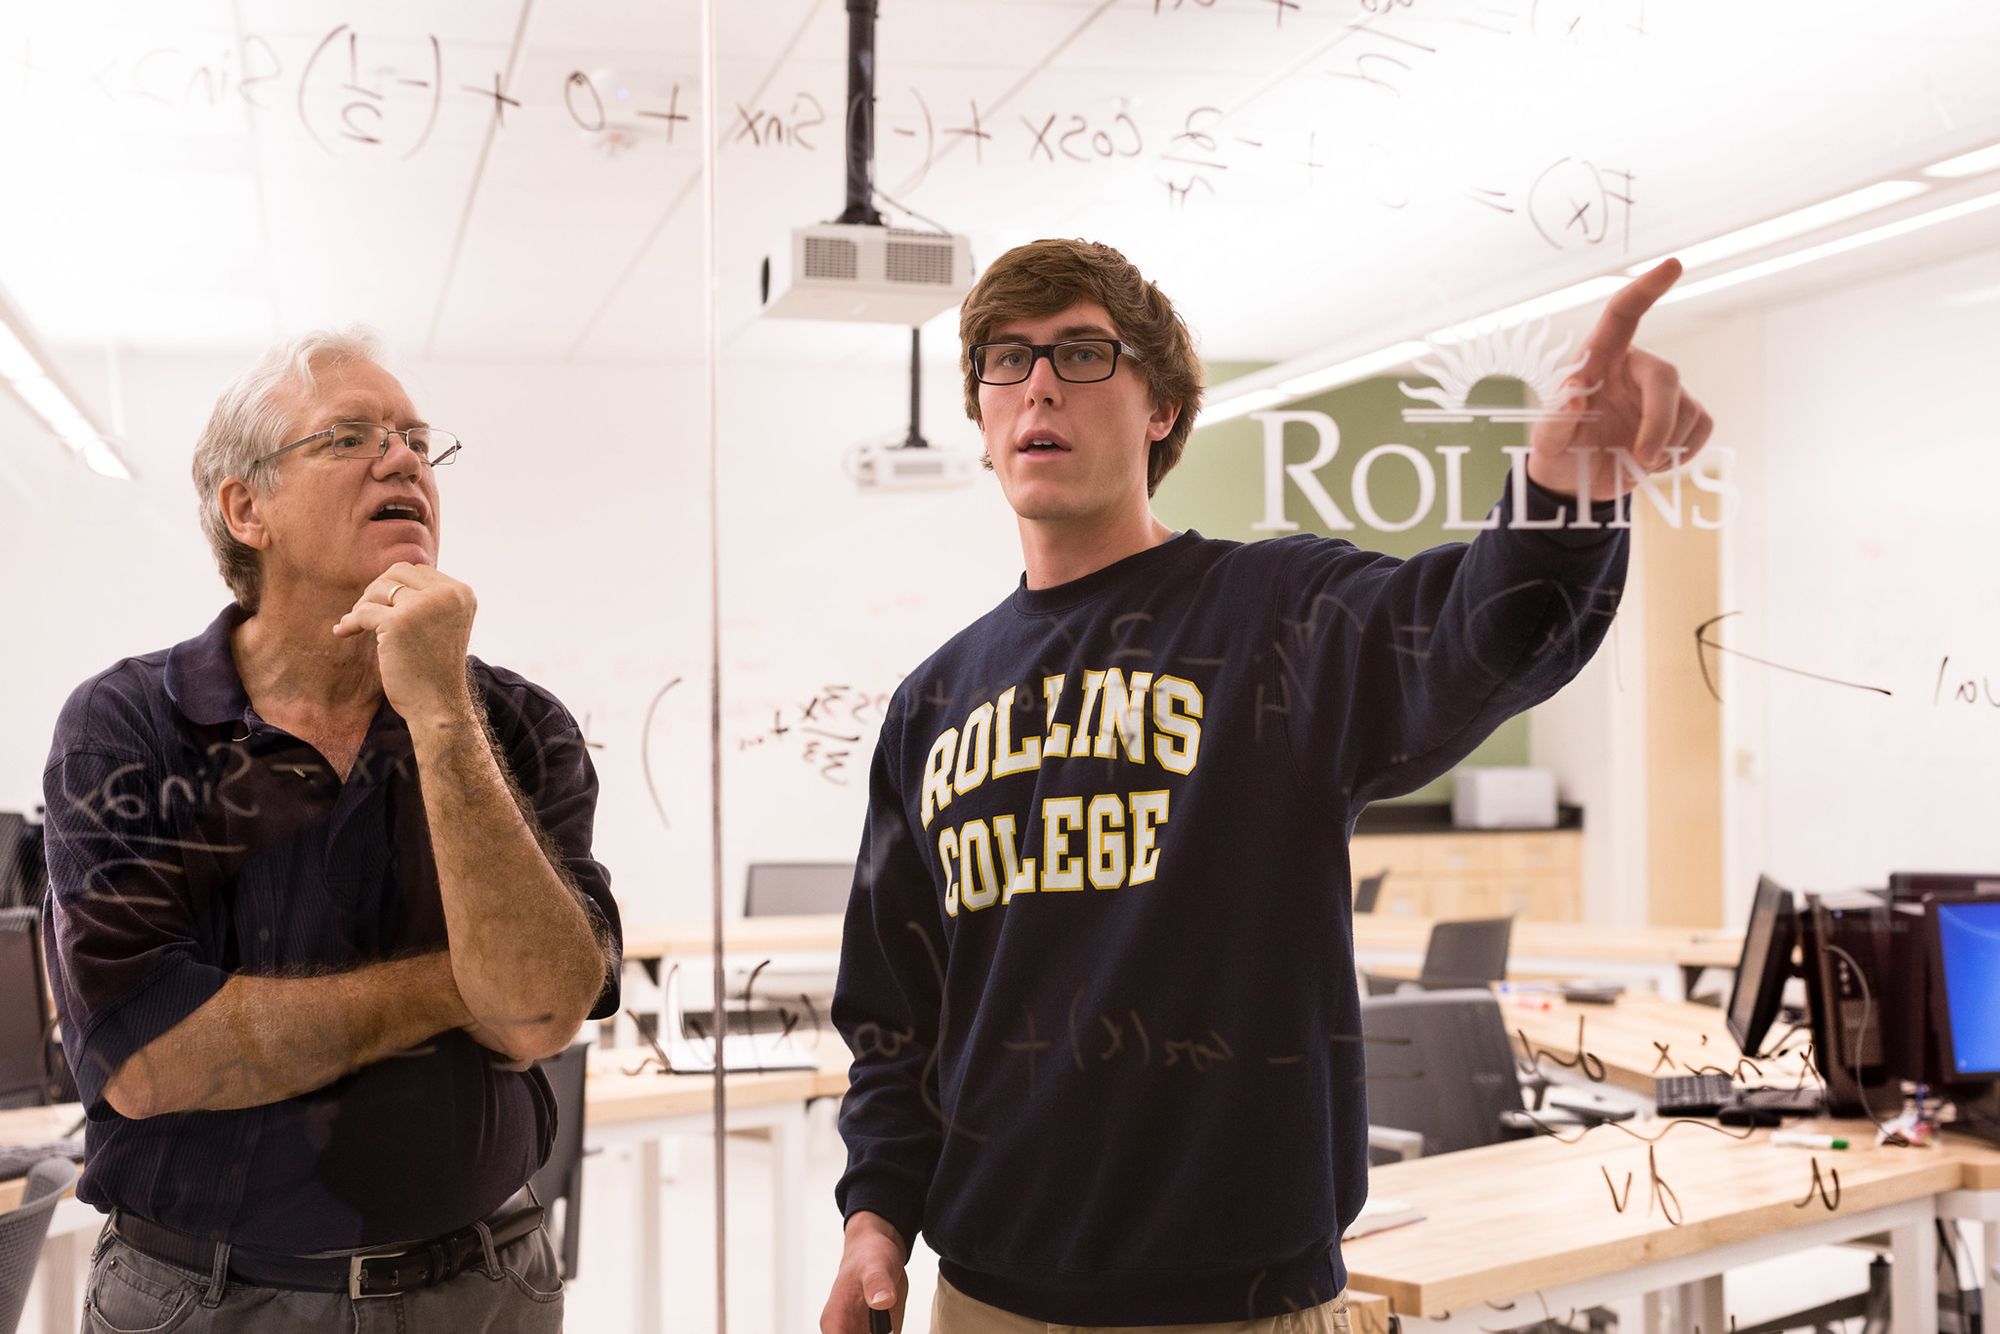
1381 931
1652 955
32 1125
1627 1036
810 934
1534 1220
612 1097
1635 954
1367 1312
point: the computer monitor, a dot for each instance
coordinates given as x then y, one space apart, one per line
24 1023
1965 953
1764 966
790 889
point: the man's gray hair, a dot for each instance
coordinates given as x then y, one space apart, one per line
252 417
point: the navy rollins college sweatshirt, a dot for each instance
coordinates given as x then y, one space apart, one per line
1097 970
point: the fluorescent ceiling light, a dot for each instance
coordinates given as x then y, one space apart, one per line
103 460
1231 408
16 362
1783 228
77 433
1354 368
1828 249
1967 164
32 383
1552 303
40 393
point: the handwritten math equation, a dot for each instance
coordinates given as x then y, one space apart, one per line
363 95
352 93
824 731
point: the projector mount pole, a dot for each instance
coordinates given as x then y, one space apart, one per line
861 115
861 170
916 438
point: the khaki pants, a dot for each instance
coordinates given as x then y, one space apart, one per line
952 1312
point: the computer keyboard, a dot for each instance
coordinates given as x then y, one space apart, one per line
16 1159
1693 1095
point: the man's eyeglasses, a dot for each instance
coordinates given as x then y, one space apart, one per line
367 440
1079 361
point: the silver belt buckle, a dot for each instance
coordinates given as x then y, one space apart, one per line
354 1263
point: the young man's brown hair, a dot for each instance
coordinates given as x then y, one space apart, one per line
1044 277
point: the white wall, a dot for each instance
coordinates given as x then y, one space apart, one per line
1873 563
1592 736
1869 470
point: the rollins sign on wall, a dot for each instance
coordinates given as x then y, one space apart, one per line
1520 354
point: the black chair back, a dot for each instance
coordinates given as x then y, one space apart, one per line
561 1177
1470 953
1439 1063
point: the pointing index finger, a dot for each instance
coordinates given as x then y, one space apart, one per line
1620 320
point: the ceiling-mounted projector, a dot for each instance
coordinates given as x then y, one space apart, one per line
890 466
867 272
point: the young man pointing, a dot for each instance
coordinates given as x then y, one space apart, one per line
1097 971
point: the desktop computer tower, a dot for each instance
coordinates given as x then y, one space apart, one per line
1913 1048
1844 949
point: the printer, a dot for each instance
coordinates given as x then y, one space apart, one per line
1495 797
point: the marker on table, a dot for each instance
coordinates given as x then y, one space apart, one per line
1796 1140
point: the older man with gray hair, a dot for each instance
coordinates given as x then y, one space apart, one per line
321 891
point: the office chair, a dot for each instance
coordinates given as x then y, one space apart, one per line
25 1027
1368 891
22 1231
1442 1077
561 1177
1470 953
1440 1066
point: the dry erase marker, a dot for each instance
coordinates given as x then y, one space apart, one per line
1793 1139
878 1321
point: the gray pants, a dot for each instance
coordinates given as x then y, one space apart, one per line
517 1289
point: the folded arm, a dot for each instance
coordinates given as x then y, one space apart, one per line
261 1040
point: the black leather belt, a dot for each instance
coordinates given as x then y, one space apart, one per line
377 1273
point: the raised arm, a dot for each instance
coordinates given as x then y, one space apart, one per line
1392 671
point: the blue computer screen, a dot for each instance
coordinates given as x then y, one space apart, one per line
1969 937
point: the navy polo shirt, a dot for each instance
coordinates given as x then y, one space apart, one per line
187 840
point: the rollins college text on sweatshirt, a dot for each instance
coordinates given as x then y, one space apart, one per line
1097 971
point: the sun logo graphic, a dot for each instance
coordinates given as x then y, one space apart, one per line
1459 364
